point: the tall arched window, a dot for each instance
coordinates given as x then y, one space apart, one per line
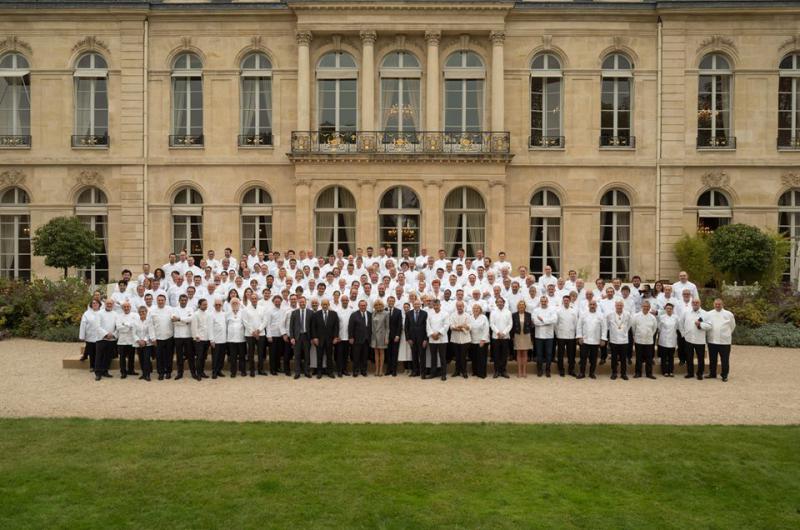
256 220
616 102
335 222
464 75
256 101
400 99
464 222
187 223
789 226
714 120
713 210
399 220
15 102
789 102
545 246
91 102
337 110
615 235
92 208
15 234
187 101
546 94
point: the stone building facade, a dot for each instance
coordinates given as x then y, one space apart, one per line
587 135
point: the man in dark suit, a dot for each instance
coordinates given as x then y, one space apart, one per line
300 338
360 331
395 330
324 328
417 337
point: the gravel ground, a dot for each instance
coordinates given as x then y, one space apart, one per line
763 389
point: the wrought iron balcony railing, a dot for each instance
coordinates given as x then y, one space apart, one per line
186 140
628 142
400 143
546 142
788 143
255 140
15 141
90 140
716 142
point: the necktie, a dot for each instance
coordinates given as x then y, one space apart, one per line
303 321
416 314
325 317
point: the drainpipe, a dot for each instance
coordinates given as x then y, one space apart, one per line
658 154
145 142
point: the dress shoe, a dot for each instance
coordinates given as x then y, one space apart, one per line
624 377
242 373
465 376
146 377
252 374
496 375
712 376
179 376
308 376
220 374
651 376
233 374
319 376
84 357
142 377
297 376
363 374
168 375
602 362
504 375
160 377
444 377
203 375
724 379
699 377
394 374
213 376
197 377
688 376
133 373
580 376
637 376
262 372
613 377
561 373
547 373
272 372
592 376
108 375
346 373
123 376
681 363
331 375
97 377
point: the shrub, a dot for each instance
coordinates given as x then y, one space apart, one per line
43 308
743 252
693 257
780 335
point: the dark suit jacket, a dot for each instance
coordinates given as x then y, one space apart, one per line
418 330
395 324
358 330
294 323
325 331
527 325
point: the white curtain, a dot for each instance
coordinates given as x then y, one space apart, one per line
249 106
179 121
411 98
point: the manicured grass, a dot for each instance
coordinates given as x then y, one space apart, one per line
148 474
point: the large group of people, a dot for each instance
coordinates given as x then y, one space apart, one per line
301 315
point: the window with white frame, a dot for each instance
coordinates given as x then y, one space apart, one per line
464 222
256 101
615 235
546 95
399 218
545 233
464 76
789 102
92 209
15 234
789 226
335 223
187 101
337 87
256 220
713 210
714 129
616 102
400 96
91 101
15 101
187 223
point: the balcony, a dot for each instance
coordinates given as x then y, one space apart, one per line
546 142
255 140
11 141
788 143
393 145
186 140
618 142
716 142
90 141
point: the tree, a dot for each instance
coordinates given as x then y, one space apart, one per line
693 257
741 251
66 242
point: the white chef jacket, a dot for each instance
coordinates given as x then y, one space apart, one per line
218 322
591 328
668 330
143 330
125 324
545 328
722 325
460 337
162 322
567 323
437 323
90 328
182 327
479 329
618 326
500 323
689 329
201 326
235 327
644 327
107 321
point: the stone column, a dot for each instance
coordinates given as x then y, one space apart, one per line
366 217
304 214
433 229
303 80
498 89
432 92
368 80
495 219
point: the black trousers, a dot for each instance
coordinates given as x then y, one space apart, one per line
275 353
144 359
438 357
417 357
544 353
236 353
342 356
218 358
501 349
200 355
164 350
359 351
461 353
102 360
478 354
392 352
644 355
90 350
325 353
724 353
603 352
126 359
619 358
184 352
667 356
589 353
566 346
302 355
262 353
681 348
252 353
629 352
693 350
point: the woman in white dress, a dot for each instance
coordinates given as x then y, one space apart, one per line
404 353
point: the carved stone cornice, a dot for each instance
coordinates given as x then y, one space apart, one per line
368 37
303 37
11 177
791 180
433 37
715 179
319 158
90 42
497 37
14 44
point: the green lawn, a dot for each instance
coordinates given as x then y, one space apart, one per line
148 474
